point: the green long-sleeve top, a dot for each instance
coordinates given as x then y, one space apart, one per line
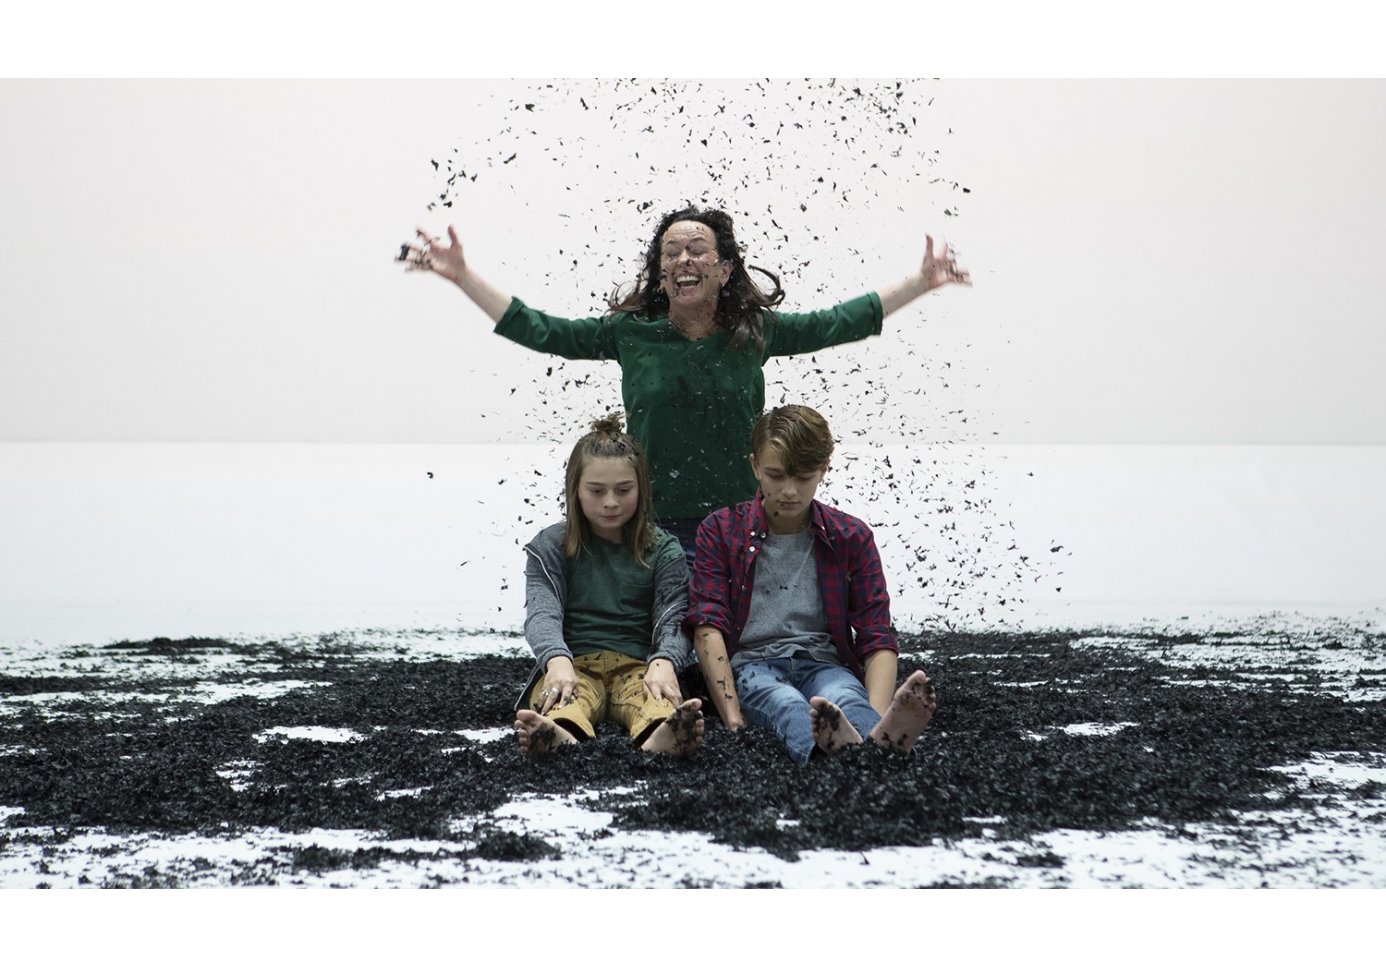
691 403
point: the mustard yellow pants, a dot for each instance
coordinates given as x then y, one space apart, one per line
609 686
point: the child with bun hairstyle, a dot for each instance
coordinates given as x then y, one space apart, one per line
605 596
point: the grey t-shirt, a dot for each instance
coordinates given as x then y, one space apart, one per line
786 614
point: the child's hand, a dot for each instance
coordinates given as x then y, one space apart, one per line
661 683
560 683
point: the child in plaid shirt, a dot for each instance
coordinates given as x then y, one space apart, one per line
789 610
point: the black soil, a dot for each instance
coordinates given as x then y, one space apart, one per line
114 753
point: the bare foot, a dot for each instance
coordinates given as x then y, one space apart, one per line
680 734
831 730
539 734
909 712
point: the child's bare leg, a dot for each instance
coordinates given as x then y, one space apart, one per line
909 712
680 734
538 734
831 730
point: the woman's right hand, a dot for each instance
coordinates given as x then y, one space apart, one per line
560 684
429 253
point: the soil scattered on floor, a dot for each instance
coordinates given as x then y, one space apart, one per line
1034 732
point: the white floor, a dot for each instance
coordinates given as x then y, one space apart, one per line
107 541
1335 841
1337 845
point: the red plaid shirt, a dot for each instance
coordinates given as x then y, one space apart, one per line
850 580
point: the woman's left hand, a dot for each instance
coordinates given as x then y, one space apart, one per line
942 269
661 683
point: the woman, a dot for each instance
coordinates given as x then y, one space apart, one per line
692 337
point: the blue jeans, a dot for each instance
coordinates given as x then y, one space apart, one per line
774 694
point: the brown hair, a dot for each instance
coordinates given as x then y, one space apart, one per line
798 435
741 305
607 439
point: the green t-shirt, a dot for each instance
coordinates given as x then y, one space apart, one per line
691 403
611 598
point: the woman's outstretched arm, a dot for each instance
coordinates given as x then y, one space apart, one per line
790 333
447 261
936 271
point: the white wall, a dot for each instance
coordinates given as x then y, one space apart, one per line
1155 261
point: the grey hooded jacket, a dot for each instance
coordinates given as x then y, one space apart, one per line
546 596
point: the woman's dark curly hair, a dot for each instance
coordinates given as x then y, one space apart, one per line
741 304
